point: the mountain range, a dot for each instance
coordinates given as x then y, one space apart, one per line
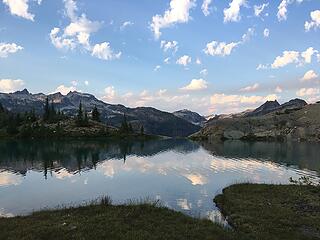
154 121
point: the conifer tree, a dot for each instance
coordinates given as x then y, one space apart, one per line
95 114
46 110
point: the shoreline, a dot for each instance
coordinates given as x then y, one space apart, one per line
254 211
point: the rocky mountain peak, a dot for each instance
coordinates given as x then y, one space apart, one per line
22 92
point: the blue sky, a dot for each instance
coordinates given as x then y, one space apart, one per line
207 56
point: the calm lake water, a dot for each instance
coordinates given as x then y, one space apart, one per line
184 175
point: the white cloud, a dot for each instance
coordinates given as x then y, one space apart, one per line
215 48
110 94
237 103
258 9
86 83
20 8
286 58
289 57
157 68
307 92
247 36
64 90
8 48
278 89
10 85
198 61
184 60
77 34
61 42
104 52
307 55
266 32
310 75
204 72
205 7
125 25
220 48
167 45
315 21
74 83
196 85
232 14
161 99
252 88
167 60
261 66
282 10
179 12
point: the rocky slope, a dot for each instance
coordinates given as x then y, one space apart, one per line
191 117
155 122
291 121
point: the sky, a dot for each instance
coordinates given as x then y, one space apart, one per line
208 56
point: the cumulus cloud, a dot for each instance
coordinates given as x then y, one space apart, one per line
198 61
289 57
315 21
196 85
10 85
286 58
125 25
252 88
8 48
307 92
179 12
309 75
110 94
184 60
205 7
232 14
266 32
77 34
258 9
167 45
307 55
236 103
167 60
215 48
64 90
20 8
104 51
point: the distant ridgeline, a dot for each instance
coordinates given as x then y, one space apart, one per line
81 114
292 121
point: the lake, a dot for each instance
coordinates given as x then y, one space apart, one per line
183 175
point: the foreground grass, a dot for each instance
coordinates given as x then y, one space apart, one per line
272 211
105 221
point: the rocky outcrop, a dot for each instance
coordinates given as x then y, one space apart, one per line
191 117
298 124
269 106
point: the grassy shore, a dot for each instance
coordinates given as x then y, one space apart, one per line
272 211
106 221
264 212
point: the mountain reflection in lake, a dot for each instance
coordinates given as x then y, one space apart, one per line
184 175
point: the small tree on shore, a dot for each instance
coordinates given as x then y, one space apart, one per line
95 114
